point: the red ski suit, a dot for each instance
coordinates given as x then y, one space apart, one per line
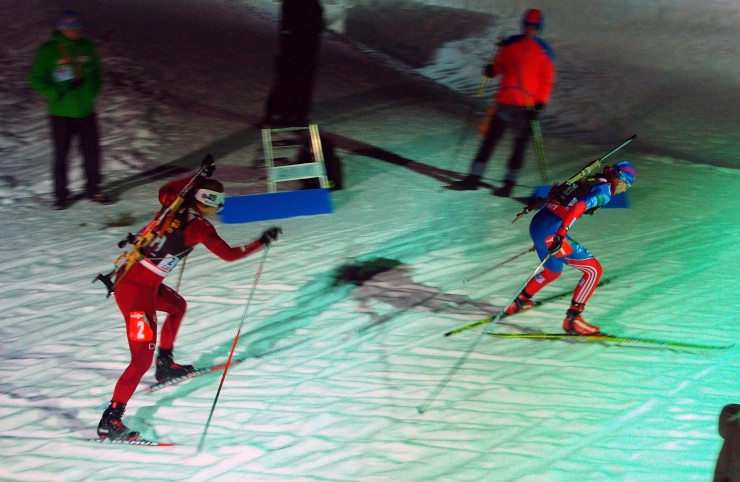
527 71
142 291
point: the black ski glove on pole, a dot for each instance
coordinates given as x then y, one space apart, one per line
557 243
535 111
270 235
209 165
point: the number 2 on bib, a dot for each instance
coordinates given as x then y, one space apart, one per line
139 328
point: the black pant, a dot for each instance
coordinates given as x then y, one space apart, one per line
64 129
728 461
301 24
295 72
505 116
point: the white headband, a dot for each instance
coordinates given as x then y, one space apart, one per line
210 198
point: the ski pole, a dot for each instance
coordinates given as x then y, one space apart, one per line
233 347
441 386
469 118
429 298
468 123
182 272
534 125
506 261
539 146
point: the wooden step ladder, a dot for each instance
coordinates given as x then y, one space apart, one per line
314 169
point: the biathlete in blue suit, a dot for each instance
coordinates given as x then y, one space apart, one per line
549 231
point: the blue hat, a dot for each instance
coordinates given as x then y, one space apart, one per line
625 171
68 20
533 17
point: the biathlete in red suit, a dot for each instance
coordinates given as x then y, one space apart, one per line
141 292
526 65
549 231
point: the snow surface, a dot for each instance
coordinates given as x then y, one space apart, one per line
184 78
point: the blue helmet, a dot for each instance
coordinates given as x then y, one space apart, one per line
68 20
533 17
625 171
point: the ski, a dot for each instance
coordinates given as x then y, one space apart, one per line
139 441
609 338
174 381
155 387
214 368
537 303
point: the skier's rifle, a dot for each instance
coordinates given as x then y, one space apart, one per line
565 188
153 231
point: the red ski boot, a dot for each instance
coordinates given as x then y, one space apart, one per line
574 324
521 303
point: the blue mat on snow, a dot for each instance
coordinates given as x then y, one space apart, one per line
276 205
618 201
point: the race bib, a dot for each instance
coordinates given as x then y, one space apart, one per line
63 73
168 263
138 327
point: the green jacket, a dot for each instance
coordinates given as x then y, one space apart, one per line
69 75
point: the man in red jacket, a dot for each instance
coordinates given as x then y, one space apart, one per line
525 64
141 292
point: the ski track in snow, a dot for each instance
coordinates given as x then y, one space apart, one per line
339 403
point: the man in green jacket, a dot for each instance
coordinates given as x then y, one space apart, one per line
67 73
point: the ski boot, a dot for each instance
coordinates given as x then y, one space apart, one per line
521 303
574 324
468 183
112 427
167 368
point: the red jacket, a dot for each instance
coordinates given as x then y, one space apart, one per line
527 71
197 231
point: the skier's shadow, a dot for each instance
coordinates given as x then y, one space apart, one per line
390 282
374 283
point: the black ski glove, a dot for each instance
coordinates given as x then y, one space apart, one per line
488 70
210 165
270 235
75 84
557 243
535 111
